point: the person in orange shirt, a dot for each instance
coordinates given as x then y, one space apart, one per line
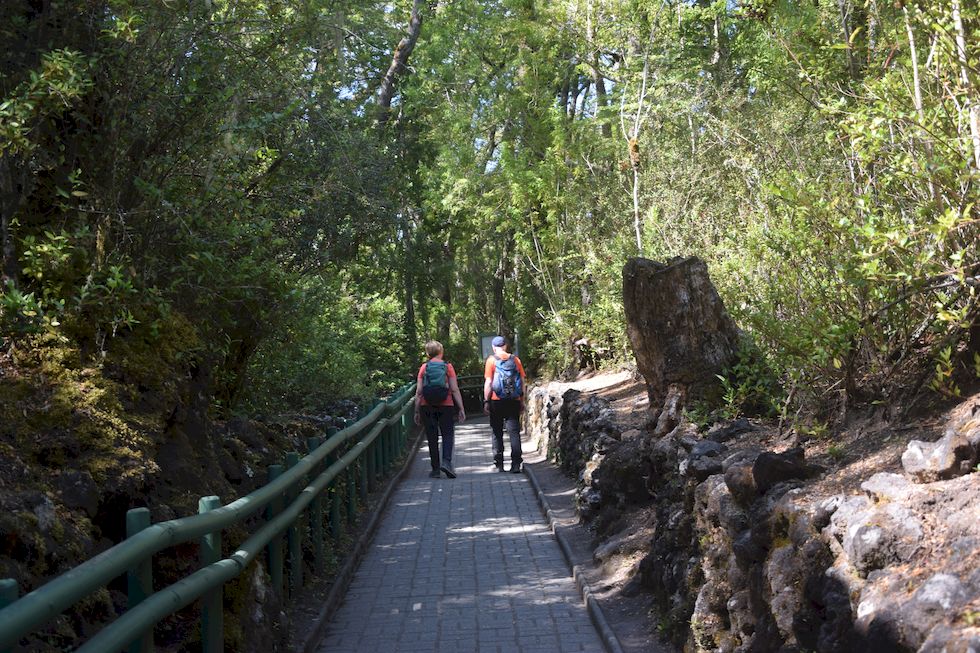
503 399
437 403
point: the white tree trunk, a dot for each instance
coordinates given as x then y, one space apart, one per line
972 106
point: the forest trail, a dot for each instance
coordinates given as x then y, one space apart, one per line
465 564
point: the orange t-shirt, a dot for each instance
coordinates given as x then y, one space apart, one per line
450 374
491 364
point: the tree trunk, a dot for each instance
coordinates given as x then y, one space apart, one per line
719 57
444 290
917 93
499 284
408 272
637 217
583 92
680 332
972 106
489 150
601 99
632 136
563 92
10 201
852 17
399 61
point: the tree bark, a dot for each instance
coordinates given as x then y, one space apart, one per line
10 201
399 61
499 283
853 17
444 291
408 272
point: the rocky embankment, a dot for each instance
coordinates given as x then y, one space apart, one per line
749 542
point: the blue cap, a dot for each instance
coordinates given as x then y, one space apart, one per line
498 341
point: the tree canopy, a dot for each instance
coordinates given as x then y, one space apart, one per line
302 192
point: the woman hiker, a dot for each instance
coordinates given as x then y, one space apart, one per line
437 404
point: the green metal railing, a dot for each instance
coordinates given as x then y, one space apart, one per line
293 500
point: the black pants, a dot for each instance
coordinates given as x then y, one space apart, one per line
506 413
439 420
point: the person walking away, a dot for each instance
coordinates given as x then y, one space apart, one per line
437 403
503 401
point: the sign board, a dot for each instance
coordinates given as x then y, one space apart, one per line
486 349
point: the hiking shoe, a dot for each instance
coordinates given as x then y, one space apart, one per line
435 474
515 468
447 467
499 467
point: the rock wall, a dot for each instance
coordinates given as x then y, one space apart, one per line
746 557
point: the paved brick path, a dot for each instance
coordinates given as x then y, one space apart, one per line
463 565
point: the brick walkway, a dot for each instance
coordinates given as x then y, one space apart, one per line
463 565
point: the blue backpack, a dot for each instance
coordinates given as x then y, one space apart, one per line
507 382
435 382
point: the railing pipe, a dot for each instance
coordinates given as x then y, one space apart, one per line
184 592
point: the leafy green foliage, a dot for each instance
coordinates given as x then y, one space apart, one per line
200 162
340 347
750 386
222 162
830 198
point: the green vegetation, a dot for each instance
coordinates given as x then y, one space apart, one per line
266 181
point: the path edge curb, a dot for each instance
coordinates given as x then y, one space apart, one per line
606 632
346 573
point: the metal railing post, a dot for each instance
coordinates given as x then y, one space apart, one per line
370 459
9 592
400 429
139 579
403 430
212 607
294 543
351 492
316 515
362 483
336 527
275 545
385 452
379 441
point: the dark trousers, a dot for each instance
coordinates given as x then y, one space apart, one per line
506 413
439 420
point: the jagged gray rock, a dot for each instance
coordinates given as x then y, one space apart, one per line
954 454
